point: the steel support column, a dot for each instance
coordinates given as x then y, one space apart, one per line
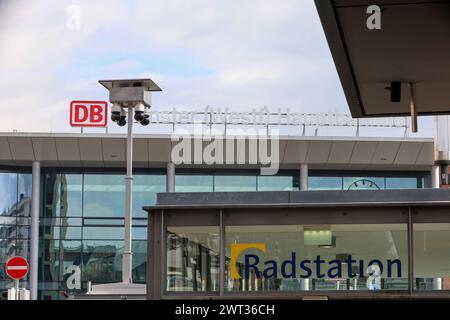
170 182
410 253
303 177
34 232
127 260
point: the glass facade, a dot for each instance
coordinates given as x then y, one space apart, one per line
303 258
15 206
82 229
192 259
81 224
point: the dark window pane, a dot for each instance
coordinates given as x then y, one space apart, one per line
49 260
102 261
8 231
139 261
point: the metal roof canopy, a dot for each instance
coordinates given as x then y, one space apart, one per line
413 46
147 84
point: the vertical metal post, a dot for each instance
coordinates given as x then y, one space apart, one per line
170 177
436 176
17 289
410 253
222 254
127 253
34 232
303 177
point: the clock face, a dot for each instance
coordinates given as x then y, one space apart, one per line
364 184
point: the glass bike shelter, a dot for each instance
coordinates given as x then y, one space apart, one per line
338 244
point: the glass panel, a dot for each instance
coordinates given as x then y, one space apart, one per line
431 256
234 183
104 196
145 188
22 248
102 261
23 232
70 232
139 233
24 185
71 265
103 222
139 249
276 183
71 195
49 260
103 233
301 258
7 231
194 183
7 249
52 188
324 183
8 193
402 183
49 232
363 183
192 259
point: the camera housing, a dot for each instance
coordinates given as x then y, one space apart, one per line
139 112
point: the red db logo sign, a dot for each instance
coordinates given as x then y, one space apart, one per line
88 113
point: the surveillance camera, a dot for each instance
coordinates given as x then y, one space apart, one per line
115 112
139 112
145 122
122 121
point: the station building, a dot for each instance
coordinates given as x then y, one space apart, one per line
353 190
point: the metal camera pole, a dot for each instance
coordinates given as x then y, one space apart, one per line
135 96
127 260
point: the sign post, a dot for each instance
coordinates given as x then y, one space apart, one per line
17 268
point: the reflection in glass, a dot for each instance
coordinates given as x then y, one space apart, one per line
24 193
8 193
71 195
48 260
431 256
102 261
145 188
194 183
139 249
192 259
234 183
276 183
324 183
339 262
104 195
404 183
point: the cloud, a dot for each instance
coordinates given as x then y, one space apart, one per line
235 54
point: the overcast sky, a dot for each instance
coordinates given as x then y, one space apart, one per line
231 54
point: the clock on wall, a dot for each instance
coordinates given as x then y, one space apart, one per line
364 184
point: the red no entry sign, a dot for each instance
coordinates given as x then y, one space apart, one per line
17 268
